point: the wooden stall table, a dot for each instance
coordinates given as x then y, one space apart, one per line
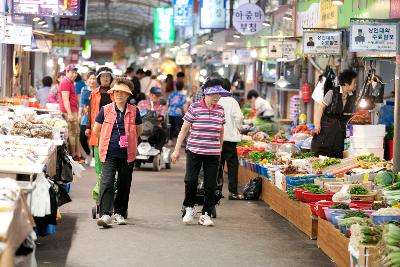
333 243
19 225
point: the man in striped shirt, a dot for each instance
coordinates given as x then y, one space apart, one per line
205 121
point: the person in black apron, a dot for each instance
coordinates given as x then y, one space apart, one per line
332 116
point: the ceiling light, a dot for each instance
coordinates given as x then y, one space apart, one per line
253 53
35 19
45 25
236 35
42 22
363 103
155 55
282 82
230 43
267 23
185 45
209 42
337 2
288 15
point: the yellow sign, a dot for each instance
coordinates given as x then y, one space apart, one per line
328 17
66 40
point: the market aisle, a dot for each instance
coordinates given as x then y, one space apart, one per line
246 233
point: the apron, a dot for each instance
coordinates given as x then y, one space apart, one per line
330 141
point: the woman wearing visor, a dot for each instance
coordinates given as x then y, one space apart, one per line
98 99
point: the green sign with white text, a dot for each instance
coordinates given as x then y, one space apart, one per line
164 30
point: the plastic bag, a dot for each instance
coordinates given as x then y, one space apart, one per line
318 93
252 190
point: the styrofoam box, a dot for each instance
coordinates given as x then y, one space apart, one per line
355 152
366 142
366 130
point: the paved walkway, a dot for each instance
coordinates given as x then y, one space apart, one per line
246 233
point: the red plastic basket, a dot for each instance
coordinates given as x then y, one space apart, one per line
298 192
311 197
314 209
321 205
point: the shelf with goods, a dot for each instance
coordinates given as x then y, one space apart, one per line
324 197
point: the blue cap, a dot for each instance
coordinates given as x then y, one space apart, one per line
155 91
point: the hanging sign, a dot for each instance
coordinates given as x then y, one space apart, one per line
183 12
374 37
66 40
282 49
2 26
17 34
244 56
329 43
248 18
164 30
212 14
75 24
46 8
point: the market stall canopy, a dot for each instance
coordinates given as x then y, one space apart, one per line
128 20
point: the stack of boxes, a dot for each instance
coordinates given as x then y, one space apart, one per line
365 139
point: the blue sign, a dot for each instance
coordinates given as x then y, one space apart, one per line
183 12
212 14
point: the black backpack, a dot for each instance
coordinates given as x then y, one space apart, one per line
252 190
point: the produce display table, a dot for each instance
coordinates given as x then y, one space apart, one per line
333 243
297 213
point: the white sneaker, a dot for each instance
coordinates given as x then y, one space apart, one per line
92 163
105 221
206 220
88 160
119 219
189 215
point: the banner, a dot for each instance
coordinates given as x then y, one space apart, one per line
248 18
308 14
329 43
164 30
371 9
183 12
46 8
328 17
212 14
374 37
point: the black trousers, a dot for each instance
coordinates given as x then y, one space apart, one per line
158 138
84 139
176 125
229 155
119 205
210 164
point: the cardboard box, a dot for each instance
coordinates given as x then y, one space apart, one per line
365 256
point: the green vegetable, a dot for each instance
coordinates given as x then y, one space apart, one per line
318 165
385 178
358 190
395 186
245 143
369 158
350 221
340 206
313 188
256 156
305 155
270 128
291 194
246 110
350 214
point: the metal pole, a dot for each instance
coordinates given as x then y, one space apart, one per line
311 81
396 138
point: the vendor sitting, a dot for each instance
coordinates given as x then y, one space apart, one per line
158 137
261 107
332 116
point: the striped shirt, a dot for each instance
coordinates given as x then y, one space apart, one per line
205 132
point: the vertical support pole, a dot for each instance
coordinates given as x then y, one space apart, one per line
396 138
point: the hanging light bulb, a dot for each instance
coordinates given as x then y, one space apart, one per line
235 59
185 45
363 103
36 19
337 2
288 15
209 42
282 82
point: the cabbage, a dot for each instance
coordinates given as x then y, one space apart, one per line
385 178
